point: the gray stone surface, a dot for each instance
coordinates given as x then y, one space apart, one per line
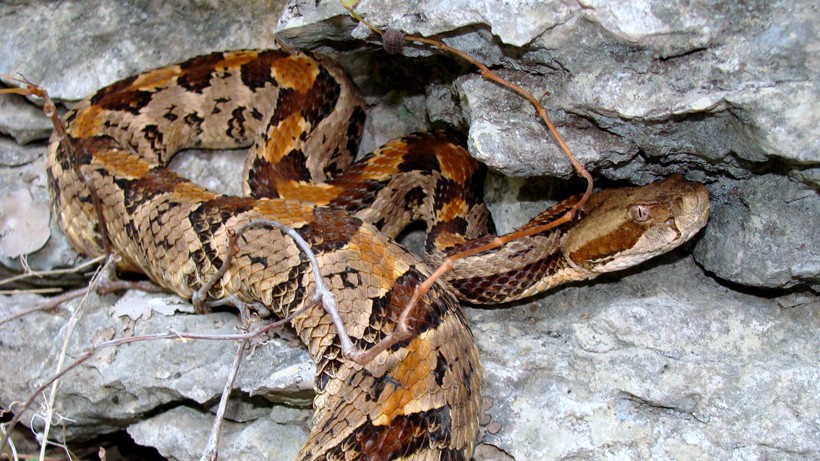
637 368
76 47
119 385
180 433
22 121
630 366
764 232
515 23
23 174
665 362
13 154
716 84
499 120
23 224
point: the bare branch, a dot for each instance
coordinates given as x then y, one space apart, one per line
212 447
95 348
106 283
321 294
402 331
70 270
50 109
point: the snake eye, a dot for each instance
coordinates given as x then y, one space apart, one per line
639 213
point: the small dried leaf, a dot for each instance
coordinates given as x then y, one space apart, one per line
140 305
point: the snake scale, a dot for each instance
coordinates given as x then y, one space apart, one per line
302 118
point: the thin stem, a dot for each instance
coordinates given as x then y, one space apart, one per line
70 270
72 323
402 331
212 447
95 348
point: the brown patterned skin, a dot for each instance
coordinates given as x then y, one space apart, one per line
302 119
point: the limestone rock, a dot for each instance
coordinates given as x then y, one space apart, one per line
628 366
75 48
640 367
23 224
711 86
22 121
14 155
499 119
764 233
180 435
118 385
23 174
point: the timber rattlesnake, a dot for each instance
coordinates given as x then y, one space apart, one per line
302 118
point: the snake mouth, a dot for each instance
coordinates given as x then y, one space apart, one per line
625 227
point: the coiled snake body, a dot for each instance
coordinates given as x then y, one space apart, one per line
302 119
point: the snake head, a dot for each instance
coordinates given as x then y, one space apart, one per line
626 226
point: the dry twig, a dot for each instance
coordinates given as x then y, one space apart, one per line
50 109
402 331
52 395
322 293
71 270
120 341
106 283
211 452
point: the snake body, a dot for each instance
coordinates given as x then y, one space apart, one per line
302 118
